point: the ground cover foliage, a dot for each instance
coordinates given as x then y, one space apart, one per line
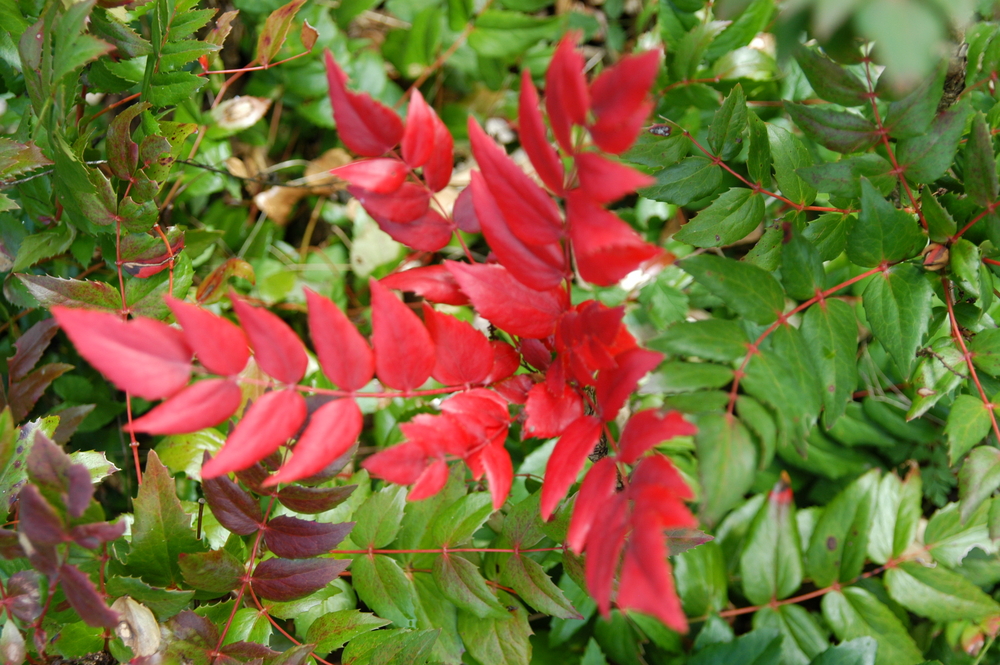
620 333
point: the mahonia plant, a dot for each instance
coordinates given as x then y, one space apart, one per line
581 362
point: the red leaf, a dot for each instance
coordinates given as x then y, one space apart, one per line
332 430
144 357
382 176
93 534
606 248
232 506
464 213
617 137
83 597
39 521
499 473
646 584
566 96
648 428
434 283
294 538
605 181
540 267
218 344
200 405
428 233
548 414
505 362
530 213
418 137
364 125
536 353
409 202
615 385
619 95
343 353
506 302
430 482
515 389
314 500
438 435
276 347
463 354
596 490
482 414
603 552
657 471
577 441
404 352
283 580
437 170
266 425
533 139
402 464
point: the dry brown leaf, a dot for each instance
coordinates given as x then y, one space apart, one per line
278 203
240 113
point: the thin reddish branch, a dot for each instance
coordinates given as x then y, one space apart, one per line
990 208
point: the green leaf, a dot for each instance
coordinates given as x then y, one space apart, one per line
702 583
731 217
379 517
16 158
843 178
725 135
658 152
859 651
897 515
162 528
332 631
831 81
949 538
43 245
965 264
184 453
217 571
534 586
173 88
385 588
940 225
14 448
391 647
882 232
839 131
457 523
272 35
938 593
434 612
748 290
828 234
789 156
461 583
107 27
897 303
593 655
925 158
727 462
248 625
754 19
74 48
830 331
758 152
681 377
690 179
49 291
498 641
771 563
664 304
968 423
985 349
854 612
839 541
979 478
164 603
913 114
937 375
801 268
760 421
803 637
501 34
758 647
711 339
980 164
691 48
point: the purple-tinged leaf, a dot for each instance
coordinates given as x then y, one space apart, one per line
10 546
23 595
92 536
232 506
49 291
313 500
57 477
531 582
837 130
83 597
16 158
194 628
30 347
217 571
39 521
69 420
23 394
294 538
123 152
275 30
248 651
283 579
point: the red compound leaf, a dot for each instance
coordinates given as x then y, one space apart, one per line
428 233
418 137
203 404
235 509
548 414
648 428
406 204
605 181
499 473
619 100
464 212
332 430
606 248
463 354
437 170
658 472
604 551
276 347
404 352
364 125
506 302
283 579
531 214
540 267
505 362
144 357
566 96
482 414
433 283
382 176
294 538
402 464
571 450
533 139
616 138
430 482
646 584
343 353
266 425
615 385
218 344
515 389
438 435
596 490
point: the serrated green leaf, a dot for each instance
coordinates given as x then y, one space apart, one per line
172 88
456 524
913 114
461 582
882 233
790 155
498 641
658 152
379 517
949 538
751 21
758 152
691 48
803 637
801 268
828 234
936 376
725 135
965 263
968 423
217 571
680 377
74 48
938 593
940 225
43 245
897 303
748 290
391 647
663 303
897 515
534 586
711 339
758 647
831 81
435 613
830 331
503 34
839 131
384 587
925 158
49 291
729 218
332 631
690 179
839 541
727 464
17 158
985 349
702 583
164 603
843 177
859 651
771 563
854 612
759 421
979 478
980 163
